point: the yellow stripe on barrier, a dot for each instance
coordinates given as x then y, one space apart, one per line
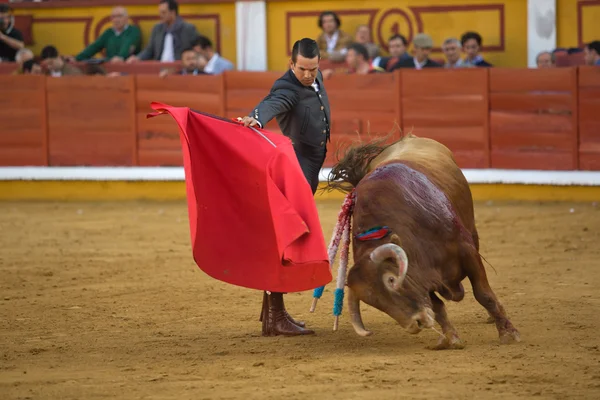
175 190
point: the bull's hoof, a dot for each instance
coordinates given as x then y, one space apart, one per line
450 341
509 336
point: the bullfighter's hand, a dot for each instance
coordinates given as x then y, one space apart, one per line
248 121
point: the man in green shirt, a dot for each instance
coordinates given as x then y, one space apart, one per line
120 41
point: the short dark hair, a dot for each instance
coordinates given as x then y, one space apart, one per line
49 52
188 49
203 42
306 48
28 65
5 8
595 45
173 6
338 22
398 36
470 35
360 49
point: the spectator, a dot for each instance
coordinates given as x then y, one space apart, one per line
545 59
119 42
56 65
471 42
592 53
216 64
451 48
363 36
192 63
169 37
23 55
11 39
422 44
397 48
32 67
333 42
357 59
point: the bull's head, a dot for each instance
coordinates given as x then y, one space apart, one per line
379 279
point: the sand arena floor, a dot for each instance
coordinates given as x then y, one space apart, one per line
103 300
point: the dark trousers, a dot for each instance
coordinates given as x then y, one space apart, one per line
311 161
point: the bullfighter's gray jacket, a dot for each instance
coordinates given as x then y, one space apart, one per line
302 113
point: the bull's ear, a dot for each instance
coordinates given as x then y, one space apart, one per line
395 239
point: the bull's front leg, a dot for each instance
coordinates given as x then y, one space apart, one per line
450 339
487 298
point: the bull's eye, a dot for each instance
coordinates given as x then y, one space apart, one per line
389 280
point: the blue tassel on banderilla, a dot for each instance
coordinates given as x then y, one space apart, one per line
341 235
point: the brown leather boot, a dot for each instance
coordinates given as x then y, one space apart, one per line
301 324
275 321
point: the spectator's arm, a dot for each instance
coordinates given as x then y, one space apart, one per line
190 35
133 41
16 43
93 48
148 52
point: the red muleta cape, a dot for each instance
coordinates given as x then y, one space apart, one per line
253 219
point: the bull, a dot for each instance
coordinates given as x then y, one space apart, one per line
415 192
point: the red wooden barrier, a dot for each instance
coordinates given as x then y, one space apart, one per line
7 68
362 106
542 119
533 118
158 138
140 68
91 120
23 135
589 118
244 90
450 106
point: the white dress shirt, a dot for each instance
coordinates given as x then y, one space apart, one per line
168 53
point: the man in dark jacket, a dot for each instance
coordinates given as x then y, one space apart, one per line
299 102
471 42
169 37
422 44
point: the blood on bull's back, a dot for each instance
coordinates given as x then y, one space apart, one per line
436 163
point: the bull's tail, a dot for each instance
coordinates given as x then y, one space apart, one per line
354 162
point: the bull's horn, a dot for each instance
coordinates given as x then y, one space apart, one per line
391 250
355 317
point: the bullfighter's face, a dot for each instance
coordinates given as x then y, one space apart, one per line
305 69
380 280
